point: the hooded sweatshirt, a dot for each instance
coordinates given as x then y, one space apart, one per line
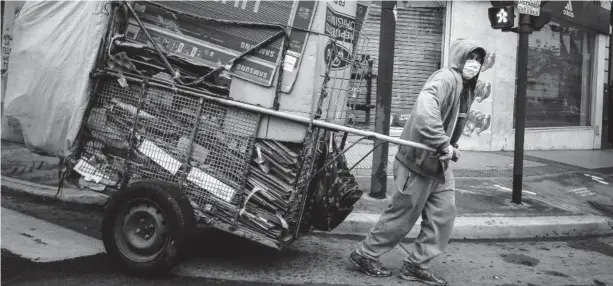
435 115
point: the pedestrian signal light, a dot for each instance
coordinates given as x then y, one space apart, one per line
501 17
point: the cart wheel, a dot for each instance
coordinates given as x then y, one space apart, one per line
148 228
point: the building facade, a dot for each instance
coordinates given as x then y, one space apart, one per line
567 72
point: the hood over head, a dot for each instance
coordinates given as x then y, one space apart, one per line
458 53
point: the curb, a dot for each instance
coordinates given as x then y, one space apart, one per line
68 194
365 181
358 224
40 241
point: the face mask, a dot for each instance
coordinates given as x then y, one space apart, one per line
471 69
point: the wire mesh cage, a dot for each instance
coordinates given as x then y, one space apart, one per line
153 117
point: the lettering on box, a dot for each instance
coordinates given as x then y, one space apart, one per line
266 52
257 72
214 45
253 71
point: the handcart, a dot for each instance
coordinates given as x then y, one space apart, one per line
189 137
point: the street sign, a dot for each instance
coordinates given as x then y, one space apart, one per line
530 7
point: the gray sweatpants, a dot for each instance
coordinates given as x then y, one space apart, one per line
415 195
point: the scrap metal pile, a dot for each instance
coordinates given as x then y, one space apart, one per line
155 114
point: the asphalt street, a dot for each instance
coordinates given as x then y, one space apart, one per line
222 259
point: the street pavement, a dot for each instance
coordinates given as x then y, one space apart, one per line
48 241
555 183
223 259
559 198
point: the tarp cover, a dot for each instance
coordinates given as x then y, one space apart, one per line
54 48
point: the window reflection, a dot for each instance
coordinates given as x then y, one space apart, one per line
559 76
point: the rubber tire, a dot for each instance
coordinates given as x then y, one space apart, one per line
181 227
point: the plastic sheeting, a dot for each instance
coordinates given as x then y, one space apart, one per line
55 44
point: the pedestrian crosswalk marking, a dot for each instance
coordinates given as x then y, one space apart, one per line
510 190
41 241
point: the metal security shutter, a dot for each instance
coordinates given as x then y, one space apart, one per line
370 34
419 42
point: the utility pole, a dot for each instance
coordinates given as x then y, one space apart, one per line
378 185
611 61
532 17
609 101
520 106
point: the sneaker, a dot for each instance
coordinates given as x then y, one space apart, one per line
412 273
369 266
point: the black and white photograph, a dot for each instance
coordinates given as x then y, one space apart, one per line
306 142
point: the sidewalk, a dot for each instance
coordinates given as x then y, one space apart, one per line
556 198
556 184
493 164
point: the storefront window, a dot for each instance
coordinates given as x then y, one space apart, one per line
559 76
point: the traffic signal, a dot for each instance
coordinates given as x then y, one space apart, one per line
502 16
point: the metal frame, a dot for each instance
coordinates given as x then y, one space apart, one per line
305 173
288 116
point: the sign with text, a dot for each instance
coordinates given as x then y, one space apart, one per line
173 27
530 7
199 52
340 26
303 18
583 13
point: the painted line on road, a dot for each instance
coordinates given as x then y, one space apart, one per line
509 190
583 191
600 181
41 241
593 177
465 191
597 179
